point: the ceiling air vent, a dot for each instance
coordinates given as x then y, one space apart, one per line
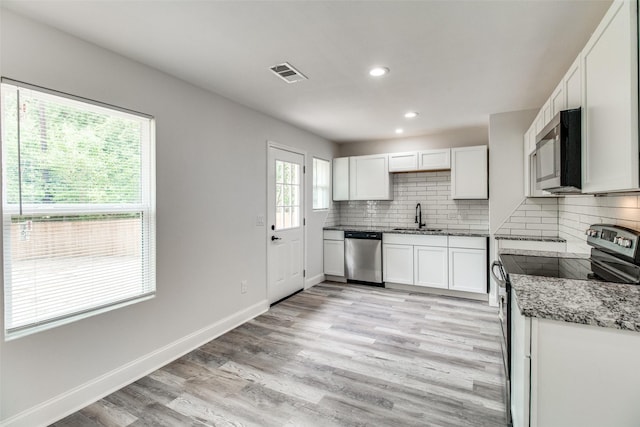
287 73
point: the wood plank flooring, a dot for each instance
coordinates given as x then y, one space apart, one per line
334 355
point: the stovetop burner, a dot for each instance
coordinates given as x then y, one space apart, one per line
564 268
615 257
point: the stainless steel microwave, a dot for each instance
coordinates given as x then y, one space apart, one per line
558 159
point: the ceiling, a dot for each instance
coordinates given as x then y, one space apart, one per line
455 62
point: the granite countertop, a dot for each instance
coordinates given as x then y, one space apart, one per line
587 302
529 238
425 231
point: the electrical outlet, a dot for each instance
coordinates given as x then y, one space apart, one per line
243 287
453 215
260 221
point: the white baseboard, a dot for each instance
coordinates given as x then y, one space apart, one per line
75 399
437 291
312 281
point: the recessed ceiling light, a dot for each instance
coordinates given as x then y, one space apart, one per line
399 130
411 115
378 71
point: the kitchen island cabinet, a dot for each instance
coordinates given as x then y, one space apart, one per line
574 356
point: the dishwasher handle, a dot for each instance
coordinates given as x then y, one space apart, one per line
368 235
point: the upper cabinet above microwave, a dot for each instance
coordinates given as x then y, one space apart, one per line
610 97
415 161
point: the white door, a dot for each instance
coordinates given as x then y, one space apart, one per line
285 235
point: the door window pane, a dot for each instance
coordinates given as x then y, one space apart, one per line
287 195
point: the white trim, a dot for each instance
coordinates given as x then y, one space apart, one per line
312 281
77 398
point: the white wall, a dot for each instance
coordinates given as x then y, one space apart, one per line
211 169
460 137
506 154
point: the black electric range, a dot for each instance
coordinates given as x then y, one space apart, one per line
600 266
615 257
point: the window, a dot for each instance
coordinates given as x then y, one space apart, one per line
321 184
78 204
287 195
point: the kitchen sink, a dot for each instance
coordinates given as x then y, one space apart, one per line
435 230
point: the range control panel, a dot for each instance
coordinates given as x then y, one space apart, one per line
615 239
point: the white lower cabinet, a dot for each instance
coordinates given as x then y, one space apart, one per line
568 374
430 267
333 253
468 270
456 263
398 264
468 265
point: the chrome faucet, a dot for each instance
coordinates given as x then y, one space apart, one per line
419 216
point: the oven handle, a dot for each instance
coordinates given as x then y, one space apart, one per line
501 281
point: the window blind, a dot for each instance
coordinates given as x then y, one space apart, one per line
78 207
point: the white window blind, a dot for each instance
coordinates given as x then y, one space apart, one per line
321 184
78 202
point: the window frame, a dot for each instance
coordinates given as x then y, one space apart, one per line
315 186
146 207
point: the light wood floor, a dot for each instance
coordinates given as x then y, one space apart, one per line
334 355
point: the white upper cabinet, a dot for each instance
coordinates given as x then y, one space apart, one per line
369 178
469 169
403 162
426 160
610 102
434 159
558 100
341 178
546 114
572 82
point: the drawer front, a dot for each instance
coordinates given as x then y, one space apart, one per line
333 234
414 239
467 242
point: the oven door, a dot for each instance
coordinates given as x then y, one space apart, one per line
504 305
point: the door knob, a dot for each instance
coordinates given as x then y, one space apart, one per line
275 238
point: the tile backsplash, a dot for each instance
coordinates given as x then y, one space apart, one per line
534 217
432 190
577 213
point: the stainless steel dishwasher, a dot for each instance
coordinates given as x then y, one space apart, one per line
363 256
